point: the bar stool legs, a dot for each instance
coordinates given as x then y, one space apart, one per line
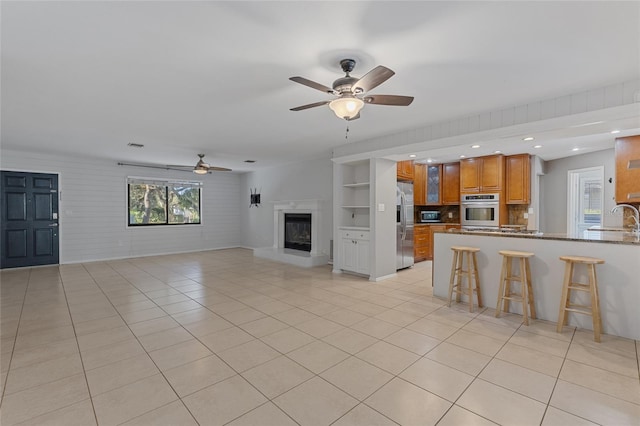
592 288
507 278
470 273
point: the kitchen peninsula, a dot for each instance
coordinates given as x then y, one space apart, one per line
618 277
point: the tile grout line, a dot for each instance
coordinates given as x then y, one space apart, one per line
15 339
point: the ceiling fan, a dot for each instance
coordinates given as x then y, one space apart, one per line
201 167
350 90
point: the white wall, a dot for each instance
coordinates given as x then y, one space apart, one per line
554 186
93 209
306 180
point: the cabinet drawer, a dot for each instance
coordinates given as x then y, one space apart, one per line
421 240
421 252
421 230
356 235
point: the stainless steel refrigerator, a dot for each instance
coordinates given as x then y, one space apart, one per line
404 225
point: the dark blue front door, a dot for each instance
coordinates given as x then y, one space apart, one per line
29 216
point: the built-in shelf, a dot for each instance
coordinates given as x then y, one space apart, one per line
356 185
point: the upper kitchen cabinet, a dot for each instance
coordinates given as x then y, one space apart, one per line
482 174
451 184
419 185
518 170
405 170
628 169
437 184
434 184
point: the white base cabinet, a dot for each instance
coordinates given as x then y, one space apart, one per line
355 251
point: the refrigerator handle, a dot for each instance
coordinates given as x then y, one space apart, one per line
403 215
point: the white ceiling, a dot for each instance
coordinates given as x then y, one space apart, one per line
212 77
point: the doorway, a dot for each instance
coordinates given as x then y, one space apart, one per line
30 234
585 200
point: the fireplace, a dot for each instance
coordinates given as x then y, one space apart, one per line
297 231
312 254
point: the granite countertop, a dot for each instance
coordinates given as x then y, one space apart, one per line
596 236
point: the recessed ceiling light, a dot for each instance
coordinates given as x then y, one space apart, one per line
497 152
475 146
613 132
412 156
429 160
528 138
575 149
537 146
462 156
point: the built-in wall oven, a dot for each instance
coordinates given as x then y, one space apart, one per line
481 210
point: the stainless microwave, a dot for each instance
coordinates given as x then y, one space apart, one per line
429 216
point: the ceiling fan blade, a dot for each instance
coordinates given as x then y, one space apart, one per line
219 169
388 100
175 166
312 84
373 79
300 108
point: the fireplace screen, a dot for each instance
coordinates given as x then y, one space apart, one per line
297 231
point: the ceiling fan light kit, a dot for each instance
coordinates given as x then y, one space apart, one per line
348 89
347 107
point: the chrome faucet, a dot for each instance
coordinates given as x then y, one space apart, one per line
636 215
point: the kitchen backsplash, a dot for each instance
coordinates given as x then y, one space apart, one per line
516 214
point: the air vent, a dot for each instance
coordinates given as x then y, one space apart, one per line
135 145
249 161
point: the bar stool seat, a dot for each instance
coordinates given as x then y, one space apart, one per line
507 278
591 287
458 272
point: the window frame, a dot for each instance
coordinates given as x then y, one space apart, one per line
166 183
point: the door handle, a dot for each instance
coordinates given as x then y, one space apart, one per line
53 224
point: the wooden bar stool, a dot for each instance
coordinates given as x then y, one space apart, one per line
507 278
458 272
592 288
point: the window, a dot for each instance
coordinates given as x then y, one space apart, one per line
158 202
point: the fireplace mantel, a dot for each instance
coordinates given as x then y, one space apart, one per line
296 257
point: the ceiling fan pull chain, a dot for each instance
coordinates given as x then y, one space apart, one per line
346 133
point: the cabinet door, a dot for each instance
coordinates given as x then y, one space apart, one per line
517 179
362 253
405 170
451 183
491 172
434 184
627 178
349 258
470 175
419 185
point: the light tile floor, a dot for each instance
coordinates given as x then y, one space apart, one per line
220 337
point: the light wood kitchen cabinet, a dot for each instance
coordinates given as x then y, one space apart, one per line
518 171
628 169
419 185
434 184
423 239
451 184
482 174
421 243
405 170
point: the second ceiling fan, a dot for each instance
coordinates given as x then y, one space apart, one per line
350 91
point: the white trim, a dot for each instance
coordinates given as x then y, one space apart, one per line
573 191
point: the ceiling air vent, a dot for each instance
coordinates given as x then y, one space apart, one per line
249 161
135 145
